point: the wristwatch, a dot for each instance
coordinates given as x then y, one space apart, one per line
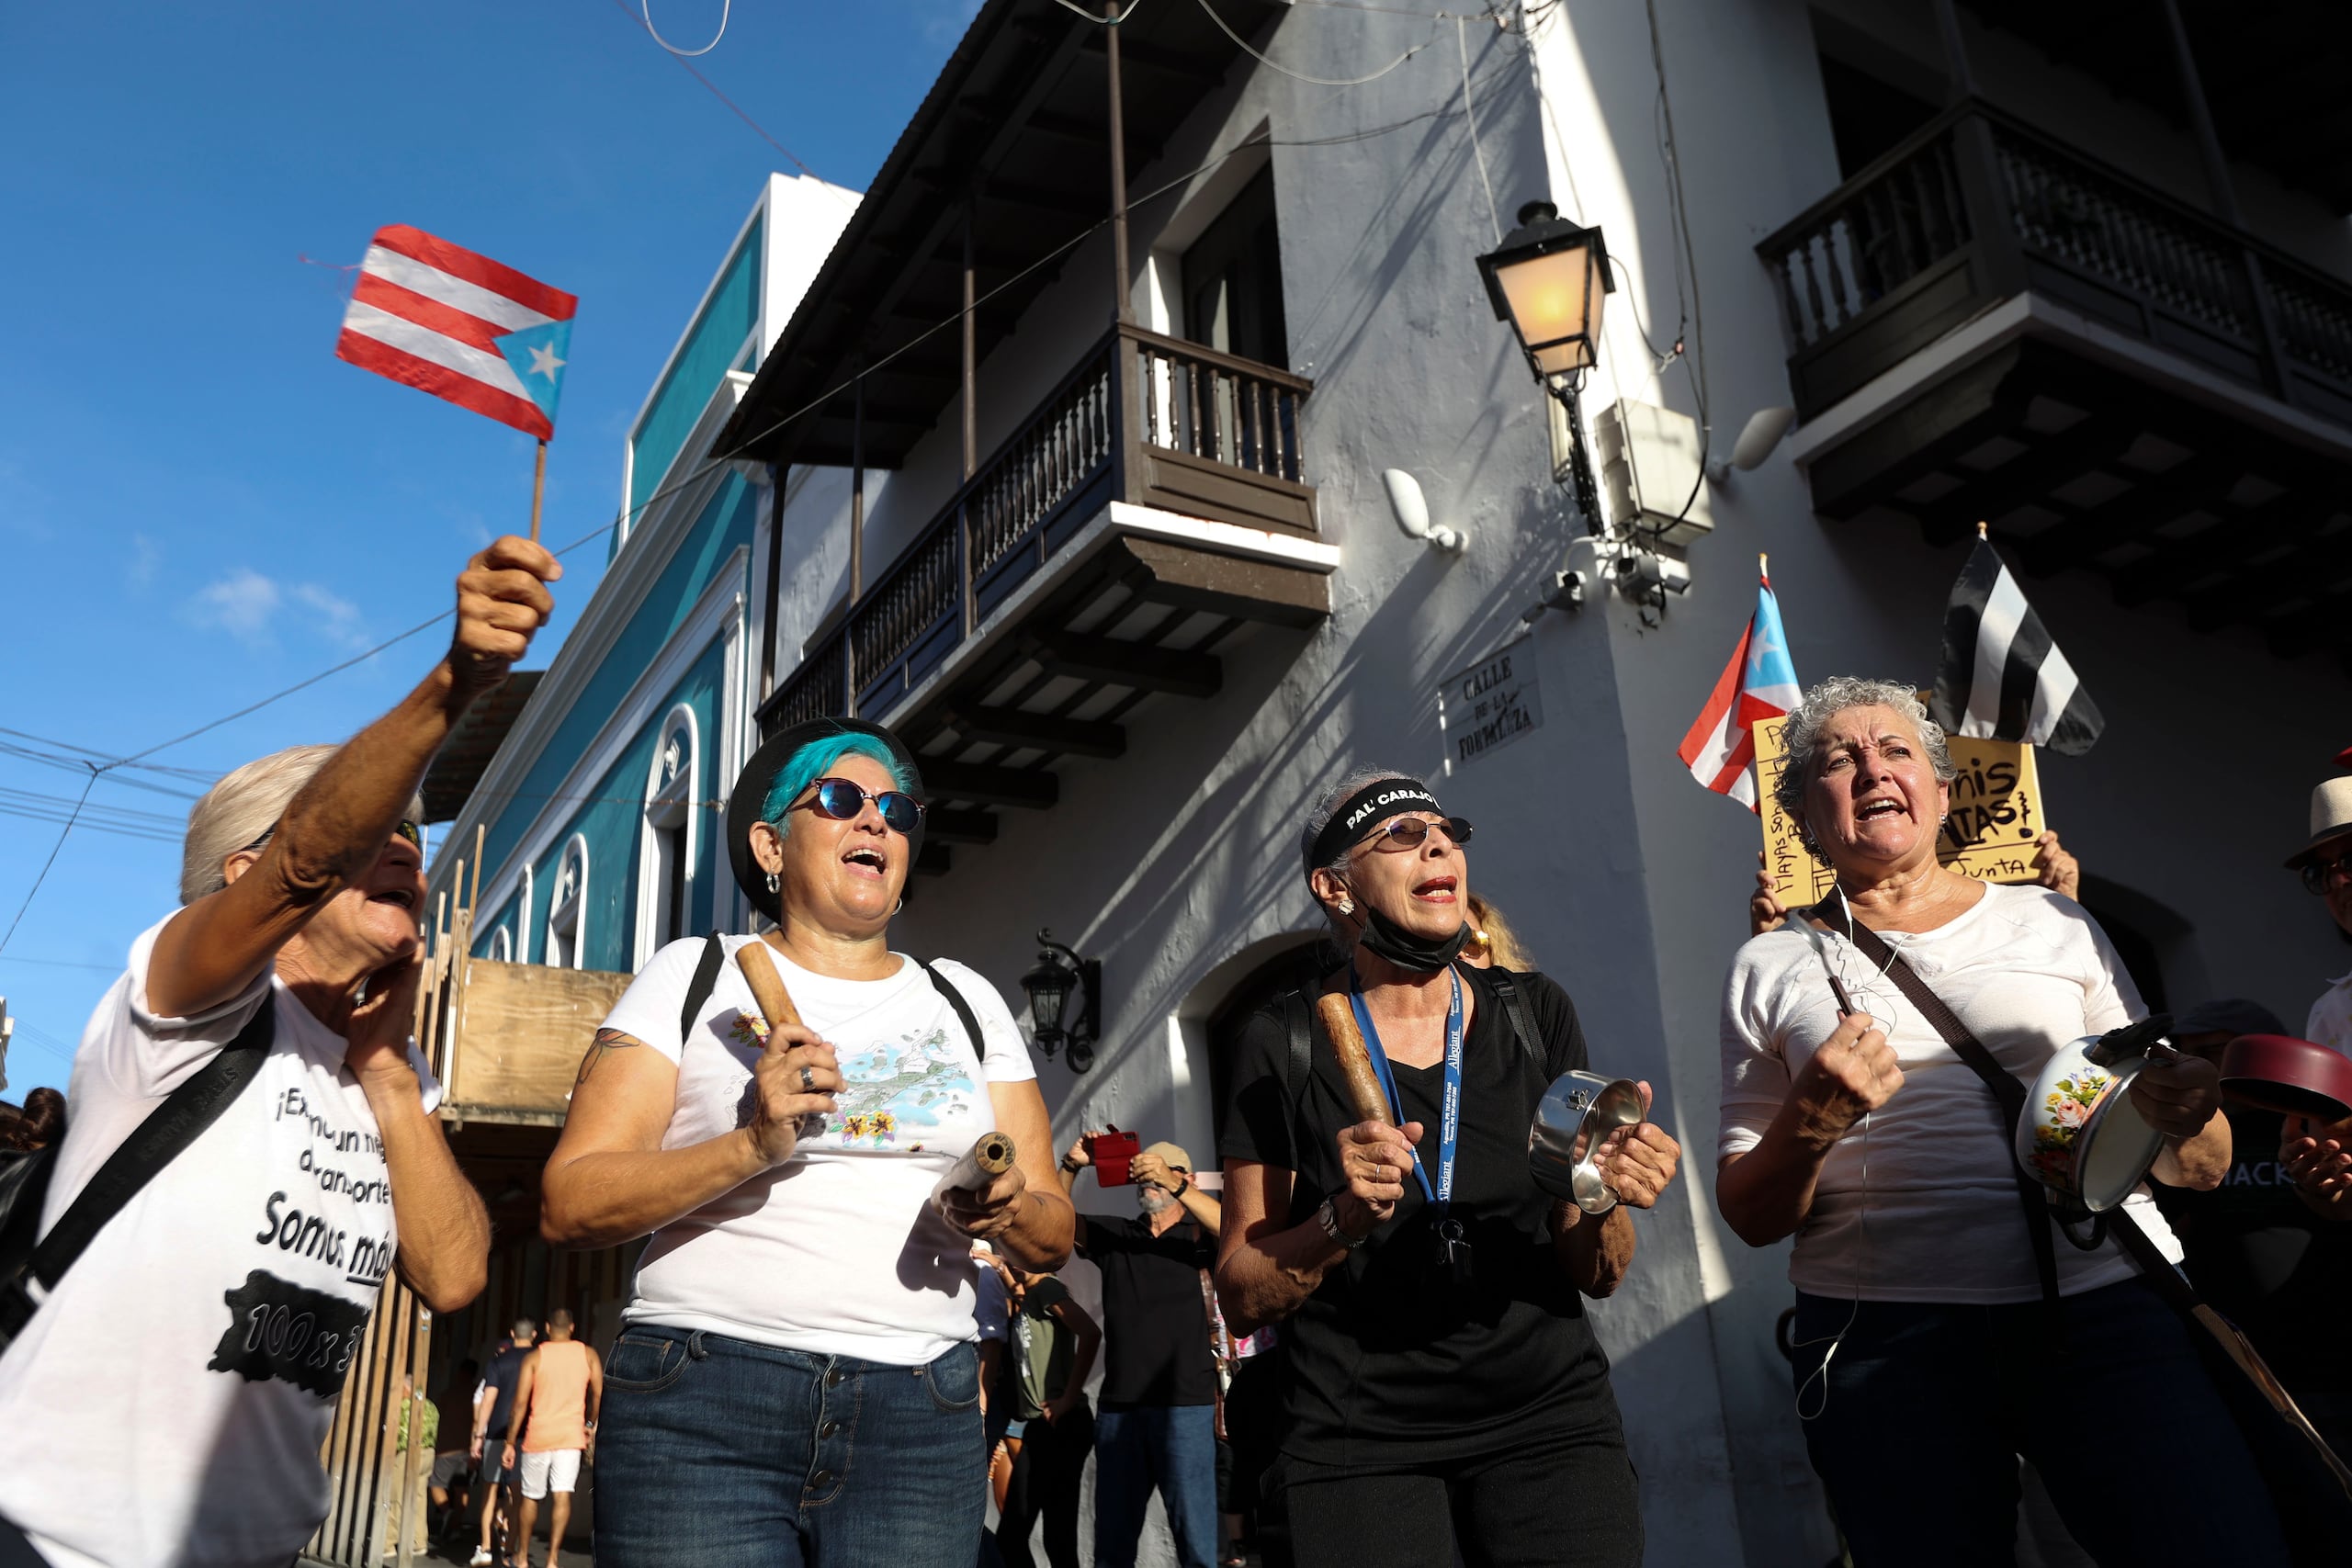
1328 1216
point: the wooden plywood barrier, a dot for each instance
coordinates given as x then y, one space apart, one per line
518 1035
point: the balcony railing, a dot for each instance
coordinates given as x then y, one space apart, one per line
1978 206
1143 418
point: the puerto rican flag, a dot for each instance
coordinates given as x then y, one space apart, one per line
1760 682
460 326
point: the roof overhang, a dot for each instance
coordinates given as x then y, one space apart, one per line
1017 126
2272 72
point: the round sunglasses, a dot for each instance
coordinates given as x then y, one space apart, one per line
1412 833
2316 873
842 799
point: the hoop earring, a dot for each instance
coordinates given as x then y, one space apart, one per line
898 906
772 882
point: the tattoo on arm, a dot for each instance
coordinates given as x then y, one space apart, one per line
606 1040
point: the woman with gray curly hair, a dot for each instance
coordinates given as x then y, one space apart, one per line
1932 1325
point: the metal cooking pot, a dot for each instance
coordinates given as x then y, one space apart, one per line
2291 1077
2080 1135
1578 1113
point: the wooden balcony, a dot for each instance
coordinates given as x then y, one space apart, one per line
1152 504
1987 323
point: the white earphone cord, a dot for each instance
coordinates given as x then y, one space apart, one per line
1869 998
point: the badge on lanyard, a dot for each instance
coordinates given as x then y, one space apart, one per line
1453 1247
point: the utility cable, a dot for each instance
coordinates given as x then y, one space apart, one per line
1493 212
725 8
63 834
1243 44
757 129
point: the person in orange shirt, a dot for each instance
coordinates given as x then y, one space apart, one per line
554 1422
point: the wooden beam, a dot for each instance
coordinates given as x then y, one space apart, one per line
950 825
1047 732
931 860
1135 664
1031 789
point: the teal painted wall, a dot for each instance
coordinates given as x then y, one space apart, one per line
611 823
610 820
716 344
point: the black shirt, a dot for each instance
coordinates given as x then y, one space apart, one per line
505 1374
1391 1359
2270 1265
1155 1320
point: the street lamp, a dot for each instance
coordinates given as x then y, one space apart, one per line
1549 279
1058 972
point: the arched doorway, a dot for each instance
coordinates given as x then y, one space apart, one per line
1248 981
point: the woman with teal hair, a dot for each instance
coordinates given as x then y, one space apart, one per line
797 1380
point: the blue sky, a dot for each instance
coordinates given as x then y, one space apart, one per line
199 505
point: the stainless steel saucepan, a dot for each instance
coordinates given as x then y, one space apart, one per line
1578 1113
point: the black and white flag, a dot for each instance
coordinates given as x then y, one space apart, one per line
2002 678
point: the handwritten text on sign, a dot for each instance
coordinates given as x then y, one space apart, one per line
1489 705
1996 817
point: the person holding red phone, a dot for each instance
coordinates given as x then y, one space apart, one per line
1157 1420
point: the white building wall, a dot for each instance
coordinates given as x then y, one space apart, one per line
1627 880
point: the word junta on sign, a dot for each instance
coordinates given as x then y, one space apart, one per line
1997 814
1488 705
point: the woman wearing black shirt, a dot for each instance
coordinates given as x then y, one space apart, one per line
1446 1392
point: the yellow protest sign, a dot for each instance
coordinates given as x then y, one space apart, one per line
1996 816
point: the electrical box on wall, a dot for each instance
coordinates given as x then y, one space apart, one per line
1652 468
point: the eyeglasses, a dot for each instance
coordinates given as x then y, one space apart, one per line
2316 873
842 799
1411 832
402 830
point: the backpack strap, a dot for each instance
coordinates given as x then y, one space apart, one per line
964 1013
1300 1029
2007 1091
166 1133
698 989
1523 1019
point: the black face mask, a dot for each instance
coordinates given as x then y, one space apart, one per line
1407 950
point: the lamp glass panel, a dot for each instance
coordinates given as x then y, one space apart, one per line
1049 986
1555 303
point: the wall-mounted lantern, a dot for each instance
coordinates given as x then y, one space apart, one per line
1049 984
1549 279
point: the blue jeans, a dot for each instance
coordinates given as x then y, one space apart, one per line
1172 1448
1928 1407
726 1454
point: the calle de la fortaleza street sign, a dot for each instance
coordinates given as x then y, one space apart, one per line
1488 705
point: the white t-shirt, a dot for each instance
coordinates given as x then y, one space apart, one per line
838 1250
1936 1219
167 1403
2330 1023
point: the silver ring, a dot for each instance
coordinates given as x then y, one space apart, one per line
808 1081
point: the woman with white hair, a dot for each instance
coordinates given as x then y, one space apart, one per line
1447 1398
1939 1332
163 1400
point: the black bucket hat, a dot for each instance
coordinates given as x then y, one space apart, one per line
751 794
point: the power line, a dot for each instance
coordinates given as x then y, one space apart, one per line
62 963
51 860
725 8
1243 44
712 87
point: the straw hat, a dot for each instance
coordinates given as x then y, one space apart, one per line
2331 818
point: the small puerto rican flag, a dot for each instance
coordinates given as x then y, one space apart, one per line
1760 682
460 326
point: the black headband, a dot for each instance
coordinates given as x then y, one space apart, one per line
1376 801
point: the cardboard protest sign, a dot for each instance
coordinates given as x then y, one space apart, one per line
1996 816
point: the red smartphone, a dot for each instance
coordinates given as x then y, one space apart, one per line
1112 1149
